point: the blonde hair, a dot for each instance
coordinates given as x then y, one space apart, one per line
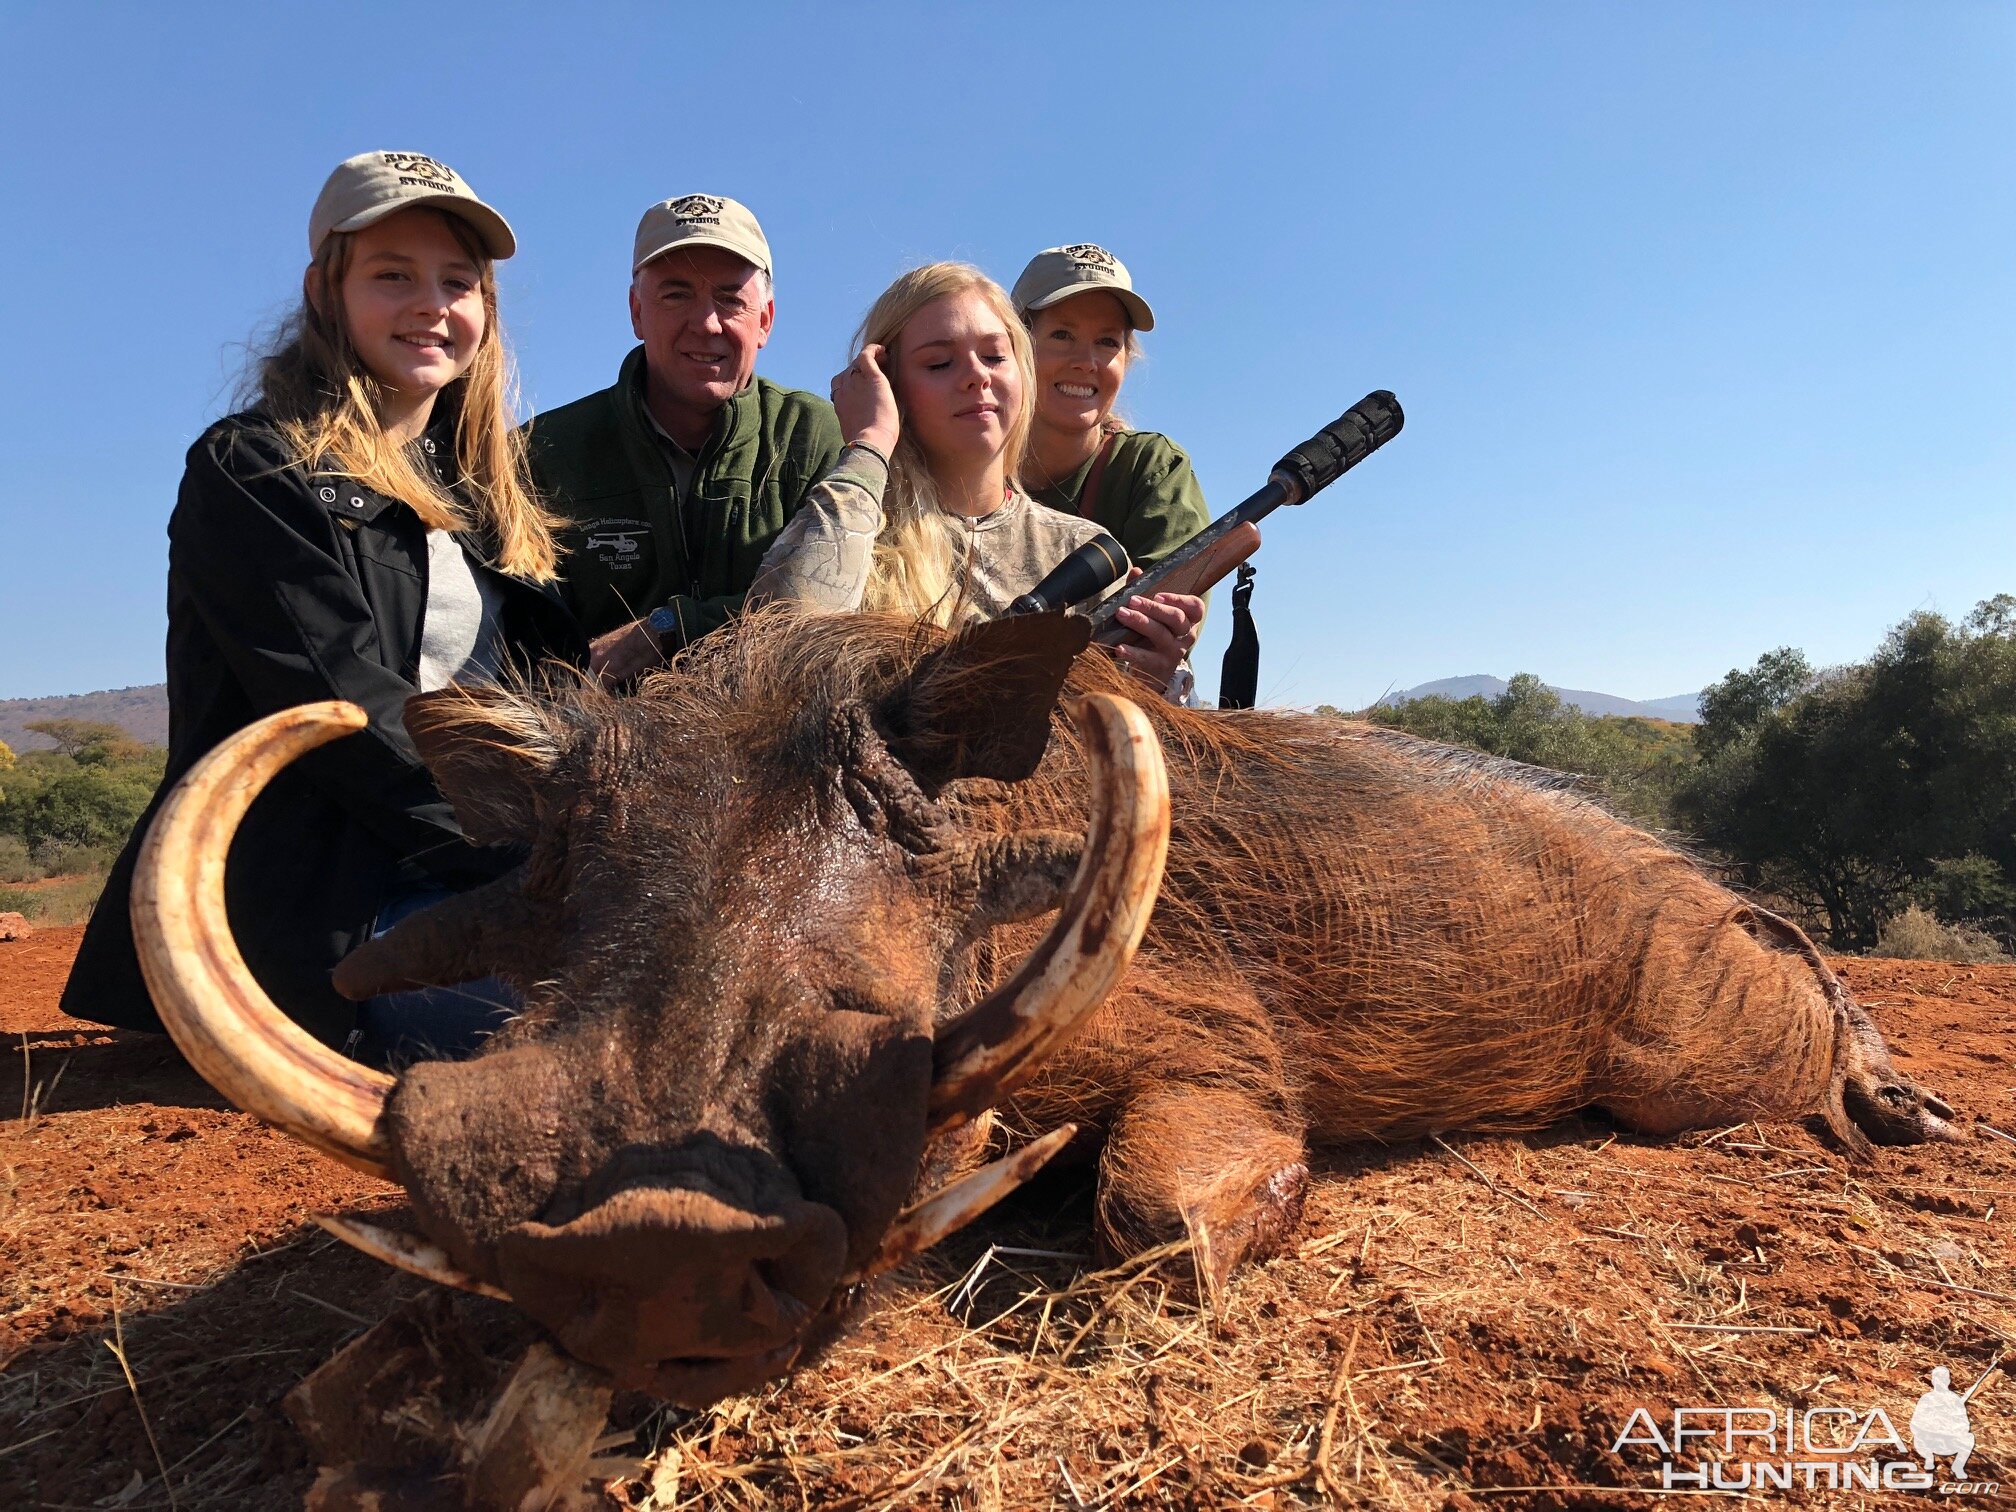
324 402
919 556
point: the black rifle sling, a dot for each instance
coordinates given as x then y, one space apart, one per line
1239 675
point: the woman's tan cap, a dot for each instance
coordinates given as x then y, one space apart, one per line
700 220
1077 269
373 185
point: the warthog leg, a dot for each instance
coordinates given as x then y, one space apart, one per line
1740 1017
1213 1164
1869 1092
1184 1072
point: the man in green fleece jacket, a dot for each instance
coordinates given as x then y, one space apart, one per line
672 483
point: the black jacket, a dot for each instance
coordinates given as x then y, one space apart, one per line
284 589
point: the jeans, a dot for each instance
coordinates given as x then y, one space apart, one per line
427 1023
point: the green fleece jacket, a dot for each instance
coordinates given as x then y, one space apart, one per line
1149 497
598 465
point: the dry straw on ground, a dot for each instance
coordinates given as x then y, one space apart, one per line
1466 1323
1460 1326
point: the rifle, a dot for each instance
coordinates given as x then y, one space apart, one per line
1235 535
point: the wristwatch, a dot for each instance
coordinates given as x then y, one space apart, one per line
664 623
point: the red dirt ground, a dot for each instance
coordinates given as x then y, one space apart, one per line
1464 1325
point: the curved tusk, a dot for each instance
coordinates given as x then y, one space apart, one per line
919 1227
998 1044
406 1252
219 1017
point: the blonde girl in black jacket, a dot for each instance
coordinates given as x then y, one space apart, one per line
365 531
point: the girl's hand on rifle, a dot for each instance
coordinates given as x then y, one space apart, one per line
866 404
1164 627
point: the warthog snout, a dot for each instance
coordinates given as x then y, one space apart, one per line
675 1277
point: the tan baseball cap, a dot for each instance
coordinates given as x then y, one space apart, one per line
1077 269
373 185
700 220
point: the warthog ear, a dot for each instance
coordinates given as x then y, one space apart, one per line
979 706
488 749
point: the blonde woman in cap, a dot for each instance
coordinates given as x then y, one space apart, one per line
1083 317
924 514
363 531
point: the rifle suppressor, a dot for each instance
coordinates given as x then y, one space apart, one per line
1314 465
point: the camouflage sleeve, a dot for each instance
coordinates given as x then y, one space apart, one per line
823 557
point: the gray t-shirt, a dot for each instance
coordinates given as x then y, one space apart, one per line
460 639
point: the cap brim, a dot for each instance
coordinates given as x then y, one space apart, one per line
1135 306
703 239
490 226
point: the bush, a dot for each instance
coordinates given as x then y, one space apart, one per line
1862 790
16 864
66 858
1915 935
67 902
85 806
1634 763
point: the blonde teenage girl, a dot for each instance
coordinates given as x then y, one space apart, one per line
925 513
363 531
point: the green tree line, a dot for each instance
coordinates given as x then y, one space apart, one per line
1861 790
1850 795
65 813
1634 763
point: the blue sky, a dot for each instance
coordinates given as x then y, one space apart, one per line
1704 316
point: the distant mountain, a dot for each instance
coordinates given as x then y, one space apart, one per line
1682 708
140 712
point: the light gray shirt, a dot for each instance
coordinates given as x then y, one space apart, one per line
460 638
824 556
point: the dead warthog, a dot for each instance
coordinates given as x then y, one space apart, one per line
781 931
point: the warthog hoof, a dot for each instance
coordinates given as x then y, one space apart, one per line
1885 1104
1263 1227
1894 1110
1231 1231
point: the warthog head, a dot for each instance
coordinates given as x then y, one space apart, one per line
744 931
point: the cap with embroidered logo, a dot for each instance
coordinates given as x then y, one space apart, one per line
372 185
1080 268
700 220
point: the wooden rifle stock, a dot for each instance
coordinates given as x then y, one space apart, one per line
1196 573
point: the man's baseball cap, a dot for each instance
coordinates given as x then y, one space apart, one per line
700 220
1077 269
373 185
